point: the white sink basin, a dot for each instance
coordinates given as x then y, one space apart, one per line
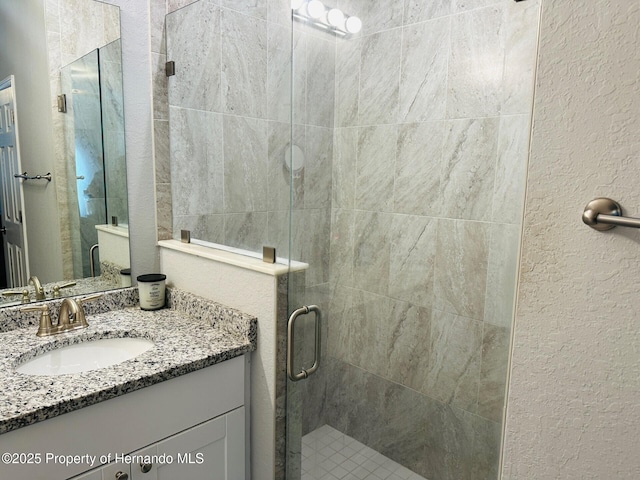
86 356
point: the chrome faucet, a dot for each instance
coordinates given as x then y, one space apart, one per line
36 284
70 317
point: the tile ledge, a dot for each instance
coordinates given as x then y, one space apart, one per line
232 258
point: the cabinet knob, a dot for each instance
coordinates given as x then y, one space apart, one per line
146 467
122 476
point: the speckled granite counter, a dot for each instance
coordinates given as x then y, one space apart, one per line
192 333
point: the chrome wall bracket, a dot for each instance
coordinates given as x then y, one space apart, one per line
604 214
305 372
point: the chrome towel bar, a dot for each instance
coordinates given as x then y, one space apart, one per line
604 214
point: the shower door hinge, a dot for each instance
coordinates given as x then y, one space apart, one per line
62 103
170 68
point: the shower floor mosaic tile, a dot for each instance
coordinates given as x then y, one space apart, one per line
328 454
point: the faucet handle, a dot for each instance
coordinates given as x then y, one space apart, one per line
80 318
57 288
90 298
24 293
45 328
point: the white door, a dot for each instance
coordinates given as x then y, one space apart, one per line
14 237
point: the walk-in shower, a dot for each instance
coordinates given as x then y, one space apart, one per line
391 161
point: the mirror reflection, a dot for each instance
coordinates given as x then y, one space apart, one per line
81 245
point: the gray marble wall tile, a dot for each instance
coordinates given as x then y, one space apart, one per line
413 249
196 162
278 233
459 6
311 232
521 21
244 64
318 167
379 78
280 177
173 5
420 10
209 228
406 343
484 461
501 274
163 211
418 168
511 169
375 16
493 373
279 11
454 360
434 440
279 67
279 75
161 151
338 338
245 164
375 164
246 230
348 52
160 87
371 251
157 13
197 82
469 160
341 263
368 318
462 250
80 38
476 63
345 153
321 69
255 8
423 81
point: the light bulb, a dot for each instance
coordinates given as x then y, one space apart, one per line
296 4
353 25
335 17
315 9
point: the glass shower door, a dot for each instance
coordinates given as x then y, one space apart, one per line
406 204
85 154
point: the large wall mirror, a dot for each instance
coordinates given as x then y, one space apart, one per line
63 176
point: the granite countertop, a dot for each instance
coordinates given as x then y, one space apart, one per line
192 333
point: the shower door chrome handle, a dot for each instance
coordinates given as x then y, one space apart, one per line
294 377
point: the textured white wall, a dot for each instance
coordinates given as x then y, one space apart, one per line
574 399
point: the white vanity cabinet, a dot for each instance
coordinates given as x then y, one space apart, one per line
213 450
198 417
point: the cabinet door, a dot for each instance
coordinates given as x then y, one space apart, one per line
213 450
95 474
111 471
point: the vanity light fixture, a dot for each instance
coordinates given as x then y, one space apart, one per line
314 12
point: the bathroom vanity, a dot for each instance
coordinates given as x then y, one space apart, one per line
174 411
